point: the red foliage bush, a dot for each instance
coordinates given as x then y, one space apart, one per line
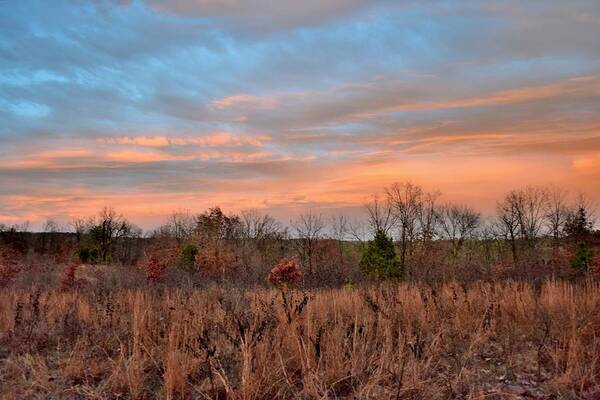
68 278
156 262
155 268
286 273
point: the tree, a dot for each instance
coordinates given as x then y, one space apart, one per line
107 230
578 227
262 235
582 259
214 225
257 226
458 223
80 226
379 258
309 230
531 203
406 201
380 215
339 230
428 215
507 222
180 226
187 257
557 212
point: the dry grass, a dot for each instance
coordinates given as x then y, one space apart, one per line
502 340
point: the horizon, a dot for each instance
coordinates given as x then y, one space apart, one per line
150 107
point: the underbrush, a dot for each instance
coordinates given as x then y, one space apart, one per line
502 340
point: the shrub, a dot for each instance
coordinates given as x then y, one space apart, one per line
84 254
349 284
68 277
285 273
156 262
215 261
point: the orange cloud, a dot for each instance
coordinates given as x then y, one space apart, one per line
243 100
209 140
589 85
146 141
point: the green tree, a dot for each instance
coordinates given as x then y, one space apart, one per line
187 257
583 258
579 229
379 258
578 226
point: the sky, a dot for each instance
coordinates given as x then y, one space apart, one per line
151 106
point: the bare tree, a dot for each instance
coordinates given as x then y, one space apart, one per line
51 226
359 231
257 226
339 230
557 211
507 222
181 225
339 227
79 226
406 200
428 217
459 223
309 230
108 229
531 203
380 215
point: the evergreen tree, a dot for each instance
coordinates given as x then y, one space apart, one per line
583 258
379 258
579 229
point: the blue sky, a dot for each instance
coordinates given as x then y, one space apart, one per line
150 106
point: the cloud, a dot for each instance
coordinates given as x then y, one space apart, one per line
213 139
285 105
261 14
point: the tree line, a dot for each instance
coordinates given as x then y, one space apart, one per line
408 233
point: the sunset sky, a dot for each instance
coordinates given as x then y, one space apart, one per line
150 106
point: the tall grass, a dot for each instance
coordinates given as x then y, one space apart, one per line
503 340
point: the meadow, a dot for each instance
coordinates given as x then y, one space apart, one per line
389 341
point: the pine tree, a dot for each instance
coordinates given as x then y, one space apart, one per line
379 258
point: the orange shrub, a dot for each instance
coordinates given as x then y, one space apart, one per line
215 261
68 278
286 273
156 262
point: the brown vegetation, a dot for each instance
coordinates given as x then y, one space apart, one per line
504 340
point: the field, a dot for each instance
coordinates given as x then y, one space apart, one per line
402 341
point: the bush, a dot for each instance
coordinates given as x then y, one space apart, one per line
156 262
285 273
84 254
68 278
215 261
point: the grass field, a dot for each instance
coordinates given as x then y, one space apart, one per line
503 340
